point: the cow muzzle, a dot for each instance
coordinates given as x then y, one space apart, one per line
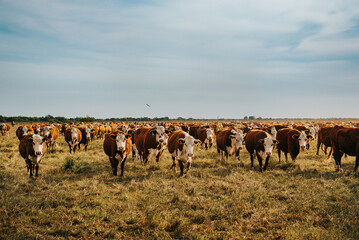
302 148
121 149
268 153
38 153
190 154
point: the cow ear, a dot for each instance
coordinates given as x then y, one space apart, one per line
113 136
181 140
295 136
128 136
261 140
44 139
153 132
309 137
275 141
168 132
197 141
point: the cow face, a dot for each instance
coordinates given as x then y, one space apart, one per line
237 139
273 133
160 134
268 144
312 132
88 133
302 139
120 139
25 130
74 134
46 132
37 144
209 135
188 144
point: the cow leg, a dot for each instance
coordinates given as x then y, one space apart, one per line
238 156
227 154
86 147
174 164
206 146
114 164
325 150
330 153
279 155
219 154
28 165
252 159
356 162
286 156
260 162
31 169
36 170
266 163
123 165
70 148
145 156
337 157
181 167
318 146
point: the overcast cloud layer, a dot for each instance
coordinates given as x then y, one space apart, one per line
200 59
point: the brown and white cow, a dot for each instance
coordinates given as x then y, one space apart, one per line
345 141
86 136
180 146
4 129
51 133
229 142
261 143
147 140
73 137
324 138
291 141
117 147
206 136
22 131
32 148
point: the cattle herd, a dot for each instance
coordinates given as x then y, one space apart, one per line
120 140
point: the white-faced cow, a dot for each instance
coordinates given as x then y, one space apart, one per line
291 141
180 146
229 142
73 137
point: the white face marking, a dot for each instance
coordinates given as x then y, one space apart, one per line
160 134
37 144
47 131
236 141
268 145
187 152
121 141
302 139
312 132
24 130
273 132
88 133
74 134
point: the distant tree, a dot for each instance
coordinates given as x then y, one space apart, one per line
245 118
251 117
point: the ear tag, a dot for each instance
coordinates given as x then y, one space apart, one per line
153 134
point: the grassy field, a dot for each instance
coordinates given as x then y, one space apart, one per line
76 196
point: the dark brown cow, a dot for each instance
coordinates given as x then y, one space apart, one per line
290 141
180 146
324 138
73 137
206 136
32 148
260 143
229 142
117 147
345 141
22 131
148 140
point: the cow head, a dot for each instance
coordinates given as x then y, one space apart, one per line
160 133
209 136
237 139
268 143
37 144
120 139
74 134
24 130
273 133
302 139
88 133
188 144
46 131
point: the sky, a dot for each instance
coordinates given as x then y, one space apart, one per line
184 58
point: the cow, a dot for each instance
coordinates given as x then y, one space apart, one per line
345 141
206 136
51 133
180 146
32 148
229 142
117 147
86 136
4 129
147 140
261 143
324 138
73 137
291 141
22 131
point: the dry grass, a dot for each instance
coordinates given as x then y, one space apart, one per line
76 196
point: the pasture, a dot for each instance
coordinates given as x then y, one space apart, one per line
77 197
